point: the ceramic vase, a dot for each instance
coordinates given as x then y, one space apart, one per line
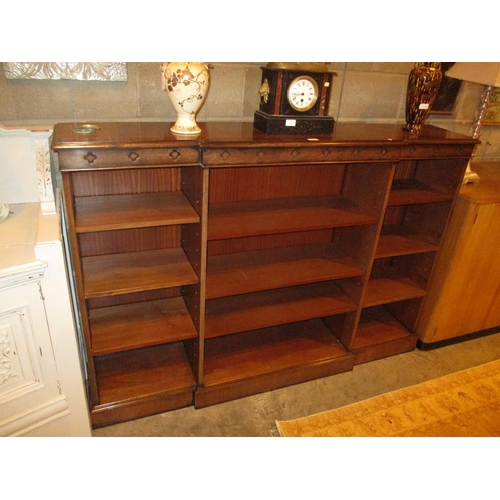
186 84
423 86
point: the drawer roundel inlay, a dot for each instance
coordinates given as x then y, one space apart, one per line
175 154
90 157
225 155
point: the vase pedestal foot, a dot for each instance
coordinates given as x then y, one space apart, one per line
185 125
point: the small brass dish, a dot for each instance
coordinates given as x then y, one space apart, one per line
85 129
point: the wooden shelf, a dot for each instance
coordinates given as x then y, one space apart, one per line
141 324
264 309
104 213
262 351
250 218
246 272
262 360
411 192
395 244
377 327
141 373
387 285
116 274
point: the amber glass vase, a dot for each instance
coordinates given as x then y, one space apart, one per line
423 86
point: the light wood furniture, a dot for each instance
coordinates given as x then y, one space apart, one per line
464 297
213 268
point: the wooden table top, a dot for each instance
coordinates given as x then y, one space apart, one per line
487 189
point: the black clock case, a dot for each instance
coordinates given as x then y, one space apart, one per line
276 116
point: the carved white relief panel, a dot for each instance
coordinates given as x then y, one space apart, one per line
10 365
30 393
19 365
102 71
44 176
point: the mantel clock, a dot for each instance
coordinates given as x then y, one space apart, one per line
294 99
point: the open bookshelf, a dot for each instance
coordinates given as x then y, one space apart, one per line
214 267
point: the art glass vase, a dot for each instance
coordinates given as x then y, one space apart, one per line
186 84
423 86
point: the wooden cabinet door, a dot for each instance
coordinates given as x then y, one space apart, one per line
464 296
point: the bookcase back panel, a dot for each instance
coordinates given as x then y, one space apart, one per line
129 240
268 241
123 181
261 183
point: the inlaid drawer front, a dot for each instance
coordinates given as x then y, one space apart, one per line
415 151
296 155
95 158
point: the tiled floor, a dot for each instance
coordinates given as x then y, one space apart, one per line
256 415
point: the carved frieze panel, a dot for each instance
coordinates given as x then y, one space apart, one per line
101 71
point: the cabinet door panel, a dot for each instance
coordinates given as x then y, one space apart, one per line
30 393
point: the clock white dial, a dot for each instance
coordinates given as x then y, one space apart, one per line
302 93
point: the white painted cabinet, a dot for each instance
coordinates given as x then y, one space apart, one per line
42 388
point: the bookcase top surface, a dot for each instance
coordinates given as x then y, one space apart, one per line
158 134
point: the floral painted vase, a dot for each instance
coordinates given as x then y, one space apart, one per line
186 84
423 86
